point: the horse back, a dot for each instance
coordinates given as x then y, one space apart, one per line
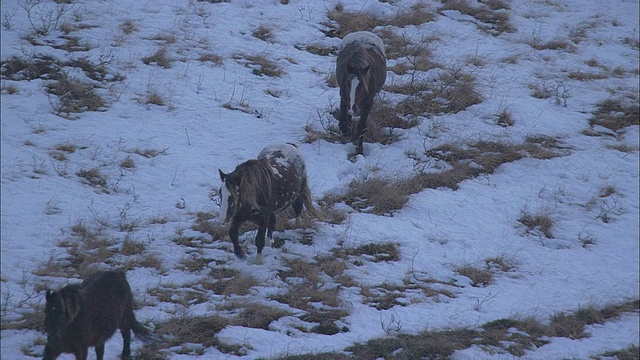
109 303
289 174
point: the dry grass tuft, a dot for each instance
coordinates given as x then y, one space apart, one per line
377 252
418 14
261 65
74 96
537 223
504 118
451 91
319 49
159 58
178 331
257 316
342 23
128 26
263 33
555 44
478 276
615 114
492 15
215 59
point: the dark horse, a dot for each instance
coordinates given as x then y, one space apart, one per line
80 316
258 189
361 70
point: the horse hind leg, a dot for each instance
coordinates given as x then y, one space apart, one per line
272 224
125 330
260 242
100 352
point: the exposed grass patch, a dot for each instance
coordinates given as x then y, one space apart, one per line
383 196
450 91
128 26
308 290
418 14
478 276
342 23
504 118
492 15
128 163
215 59
93 177
181 330
159 58
377 252
615 114
261 65
537 223
74 96
257 316
263 33
318 49
554 44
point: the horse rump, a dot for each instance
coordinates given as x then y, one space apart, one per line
80 316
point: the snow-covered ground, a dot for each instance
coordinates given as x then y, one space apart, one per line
217 115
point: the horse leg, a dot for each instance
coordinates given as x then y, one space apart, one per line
362 127
82 353
100 352
345 119
260 242
233 234
297 208
51 353
125 330
272 225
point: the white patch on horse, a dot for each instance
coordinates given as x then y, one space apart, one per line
352 94
290 156
363 37
224 203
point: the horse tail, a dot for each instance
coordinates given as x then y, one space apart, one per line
308 203
143 333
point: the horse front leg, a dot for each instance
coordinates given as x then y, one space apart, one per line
344 118
362 127
233 234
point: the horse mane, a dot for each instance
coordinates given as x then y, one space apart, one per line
72 297
255 178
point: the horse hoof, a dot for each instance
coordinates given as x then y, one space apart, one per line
259 259
240 254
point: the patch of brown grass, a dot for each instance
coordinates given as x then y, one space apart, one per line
418 14
159 58
615 114
342 23
540 222
261 65
492 15
215 59
257 316
263 33
450 92
555 44
478 276
74 96
202 330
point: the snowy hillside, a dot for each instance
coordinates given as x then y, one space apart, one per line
494 215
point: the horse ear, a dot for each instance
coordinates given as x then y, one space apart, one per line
49 295
223 176
366 70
